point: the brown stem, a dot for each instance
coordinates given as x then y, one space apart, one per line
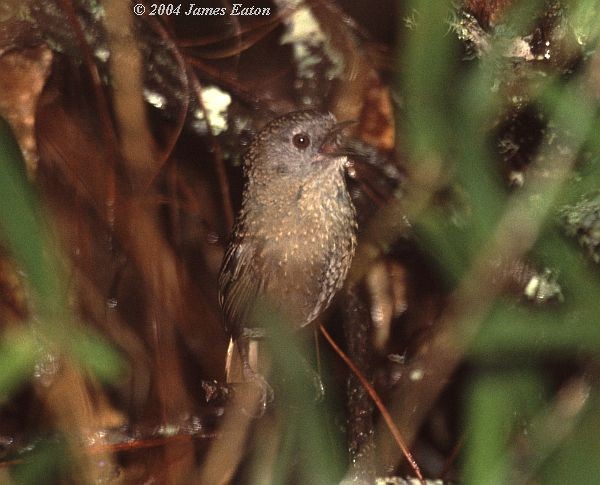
377 400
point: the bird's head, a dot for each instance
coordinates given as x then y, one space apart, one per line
298 144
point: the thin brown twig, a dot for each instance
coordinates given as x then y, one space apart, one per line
229 83
317 350
146 443
372 193
166 153
239 47
377 400
214 39
237 35
107 127
453 456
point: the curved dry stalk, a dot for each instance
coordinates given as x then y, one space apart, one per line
166 152
240 46
377 400
108 130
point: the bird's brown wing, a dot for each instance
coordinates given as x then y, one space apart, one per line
239 283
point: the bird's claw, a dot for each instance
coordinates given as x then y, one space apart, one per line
319 387
266 394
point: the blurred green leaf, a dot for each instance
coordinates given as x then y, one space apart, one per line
42 464
96 355
450 117
576 460
24 231
305 422
20 225
18 354
496 403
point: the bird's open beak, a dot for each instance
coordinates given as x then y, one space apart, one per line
330 145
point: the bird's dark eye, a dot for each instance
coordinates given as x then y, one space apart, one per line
301 141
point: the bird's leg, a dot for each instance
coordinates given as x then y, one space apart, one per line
318 382
315 377
247 345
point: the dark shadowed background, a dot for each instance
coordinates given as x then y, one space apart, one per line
472 302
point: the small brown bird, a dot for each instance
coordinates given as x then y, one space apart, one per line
295 234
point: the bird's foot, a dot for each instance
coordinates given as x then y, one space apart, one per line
265 391
319 386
